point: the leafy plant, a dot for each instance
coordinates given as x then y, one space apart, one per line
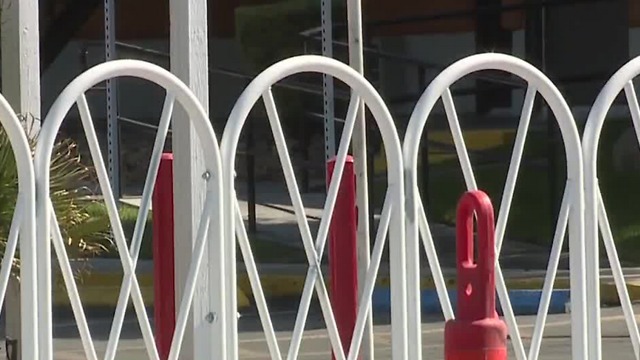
128 217
85 236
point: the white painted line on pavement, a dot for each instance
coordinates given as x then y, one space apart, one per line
327 352
436 330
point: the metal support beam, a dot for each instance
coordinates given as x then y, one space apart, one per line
359 143
327 81
20 28
21 59
113 130
189 61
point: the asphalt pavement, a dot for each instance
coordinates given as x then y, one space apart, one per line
315 345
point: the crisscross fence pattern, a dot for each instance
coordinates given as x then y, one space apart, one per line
596 219
403 223
391 222
570 211
210 224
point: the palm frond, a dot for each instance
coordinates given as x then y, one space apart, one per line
86 235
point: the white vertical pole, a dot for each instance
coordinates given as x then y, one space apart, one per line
356 60
21 58
326 20
189 61
113 132
20 46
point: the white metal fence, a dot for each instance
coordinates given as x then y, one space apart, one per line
221 223
392 214
418 226
210 223
596 214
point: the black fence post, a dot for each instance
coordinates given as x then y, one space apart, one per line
424 158
11 346
251 178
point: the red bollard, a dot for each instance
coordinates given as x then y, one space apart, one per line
477 333
343 261
163 257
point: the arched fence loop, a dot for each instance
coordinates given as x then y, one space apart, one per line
571 209
49 232
22 232
597 222
403 220
391 222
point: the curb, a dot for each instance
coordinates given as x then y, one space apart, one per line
523 302
101 290
524 292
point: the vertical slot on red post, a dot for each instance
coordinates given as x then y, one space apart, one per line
477 333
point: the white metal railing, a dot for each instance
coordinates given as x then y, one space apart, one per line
48 230
391 222
571 209
596 215
582 209
22 231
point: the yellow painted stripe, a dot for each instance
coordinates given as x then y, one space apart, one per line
99 289
103 289
481 139
275 286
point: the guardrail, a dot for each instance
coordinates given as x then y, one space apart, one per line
403 220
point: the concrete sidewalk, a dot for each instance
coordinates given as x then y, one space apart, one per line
556 342
315 345
276 221
523 264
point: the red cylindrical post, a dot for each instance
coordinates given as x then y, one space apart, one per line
163 257
477 333
343 261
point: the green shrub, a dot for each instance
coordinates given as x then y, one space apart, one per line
85 236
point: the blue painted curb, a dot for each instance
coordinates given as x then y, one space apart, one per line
523 302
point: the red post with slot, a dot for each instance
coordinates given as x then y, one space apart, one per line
163 257
477 333
343 261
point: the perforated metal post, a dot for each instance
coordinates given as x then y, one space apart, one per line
327 81
113 133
